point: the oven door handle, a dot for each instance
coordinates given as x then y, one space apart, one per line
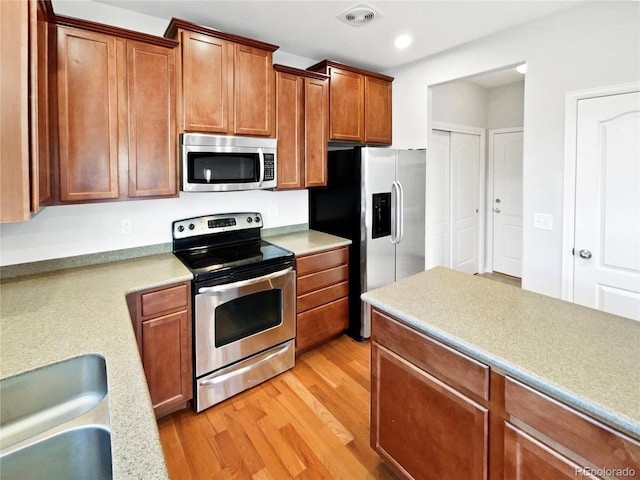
245 369
243 283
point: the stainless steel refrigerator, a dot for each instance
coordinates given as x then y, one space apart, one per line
375 197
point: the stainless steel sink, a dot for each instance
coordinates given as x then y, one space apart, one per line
54 421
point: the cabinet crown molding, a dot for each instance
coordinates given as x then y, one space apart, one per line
302 73
325 66
176 24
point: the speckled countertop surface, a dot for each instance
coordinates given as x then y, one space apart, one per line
307 241
583 357
53 316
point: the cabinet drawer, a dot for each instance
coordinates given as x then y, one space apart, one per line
588 438
321 323
322 279
321 261
159 301
431 355
322 296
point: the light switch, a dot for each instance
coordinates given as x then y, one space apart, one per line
543 221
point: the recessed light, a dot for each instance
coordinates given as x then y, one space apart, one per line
403 41
522 68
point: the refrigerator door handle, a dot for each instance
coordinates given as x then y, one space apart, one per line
400 213
394 213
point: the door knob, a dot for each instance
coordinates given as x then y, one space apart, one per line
497 210
586 254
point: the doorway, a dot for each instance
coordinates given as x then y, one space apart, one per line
601 258
492 102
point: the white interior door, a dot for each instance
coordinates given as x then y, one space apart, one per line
438 203
465 175
607 216
507 203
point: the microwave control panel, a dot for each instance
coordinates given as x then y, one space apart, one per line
269 166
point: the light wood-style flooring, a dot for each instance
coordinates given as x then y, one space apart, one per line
502 278
311 422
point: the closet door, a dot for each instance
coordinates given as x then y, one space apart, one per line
465 225
453 184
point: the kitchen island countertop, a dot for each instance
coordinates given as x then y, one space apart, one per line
582 357
49 317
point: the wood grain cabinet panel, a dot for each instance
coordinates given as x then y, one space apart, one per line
207 78
116 115
528 459
152 138
161 320
359 104
87 115
322 296
301 123
377 111
253 91
226 82
421 426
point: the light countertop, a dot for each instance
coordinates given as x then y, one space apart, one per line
307 241
583 357
49 317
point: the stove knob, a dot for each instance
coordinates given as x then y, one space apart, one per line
257 219
249 219
191 226
181 228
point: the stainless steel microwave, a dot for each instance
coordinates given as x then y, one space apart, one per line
218 163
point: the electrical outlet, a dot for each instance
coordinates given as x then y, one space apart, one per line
125 226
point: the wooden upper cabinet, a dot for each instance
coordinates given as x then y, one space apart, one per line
316 115
347 105
226 84
87 115
360 104
302 114
253 91
207 73
377 111
152 129
116 114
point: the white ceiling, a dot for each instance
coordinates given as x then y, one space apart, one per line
309 28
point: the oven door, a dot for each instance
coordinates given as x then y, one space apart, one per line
236 320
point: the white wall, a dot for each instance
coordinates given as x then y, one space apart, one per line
505 106
461 103
64 231
592 45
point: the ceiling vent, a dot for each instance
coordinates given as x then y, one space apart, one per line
359 15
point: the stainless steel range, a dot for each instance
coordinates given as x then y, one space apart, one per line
243 304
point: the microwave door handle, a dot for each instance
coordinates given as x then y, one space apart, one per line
243 283
261 157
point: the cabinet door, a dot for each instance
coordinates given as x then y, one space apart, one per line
290 111
377 121
207 81
347 105
253 91
166 357
87 115
528 459
316 110
423 427
152 133
14 115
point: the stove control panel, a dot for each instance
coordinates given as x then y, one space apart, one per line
192 227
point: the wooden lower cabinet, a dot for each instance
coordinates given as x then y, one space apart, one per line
438 414
322 302
162 323
421 426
